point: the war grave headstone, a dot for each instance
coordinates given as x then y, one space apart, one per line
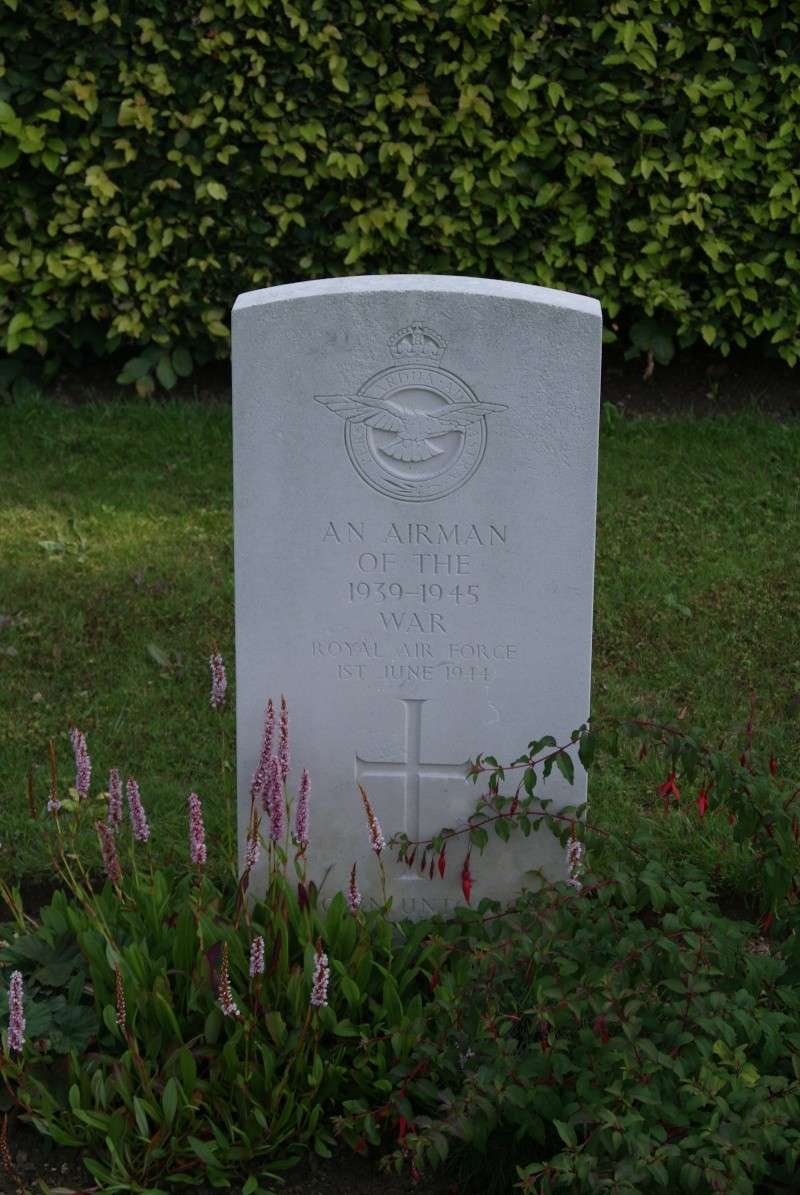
415 464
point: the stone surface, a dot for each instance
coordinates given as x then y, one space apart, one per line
415 478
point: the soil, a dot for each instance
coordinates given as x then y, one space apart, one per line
701 383
36 1160
697 381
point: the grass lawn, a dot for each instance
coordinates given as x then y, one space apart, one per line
117 578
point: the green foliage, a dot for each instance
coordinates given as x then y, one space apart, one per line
615 1032
607 1041
626 1036
149 1076
155 160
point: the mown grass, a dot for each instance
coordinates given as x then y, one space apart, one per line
117 578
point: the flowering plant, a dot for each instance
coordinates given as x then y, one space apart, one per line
609 1032
170 1025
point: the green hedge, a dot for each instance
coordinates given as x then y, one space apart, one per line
158 157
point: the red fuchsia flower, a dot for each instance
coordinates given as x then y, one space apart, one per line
376 839
575 863
283 745
197 831
114 818
301 816
141 830
773 766
256 957
441 862
466 879
320 980
224 993
261 774
276 806
669 789
83 764
353 894
16 1015
108 849
702 802
600 1028
219 681
119 995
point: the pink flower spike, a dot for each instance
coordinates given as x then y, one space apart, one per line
219 681
273 789
108 849
16 1016
353 894
141 830
197 832
301 817
283 746
253 852
224 993
83 764
114 818
256 957
276 807
376 839
320 980
261 774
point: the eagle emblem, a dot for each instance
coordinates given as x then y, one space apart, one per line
414 431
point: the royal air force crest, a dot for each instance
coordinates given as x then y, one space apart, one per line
414 431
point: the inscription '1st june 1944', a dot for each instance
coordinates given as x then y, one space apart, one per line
410 588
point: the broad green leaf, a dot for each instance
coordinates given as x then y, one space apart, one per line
182 362
565 766
165 373
566 1132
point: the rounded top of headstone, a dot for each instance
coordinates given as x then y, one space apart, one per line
450 284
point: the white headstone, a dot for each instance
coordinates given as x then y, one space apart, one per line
415 482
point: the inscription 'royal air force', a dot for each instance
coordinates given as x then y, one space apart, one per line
418 586
414 431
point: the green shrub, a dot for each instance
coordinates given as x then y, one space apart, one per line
617 1032
158 158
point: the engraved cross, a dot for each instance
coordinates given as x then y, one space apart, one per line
411 769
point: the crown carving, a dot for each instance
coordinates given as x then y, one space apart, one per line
418 343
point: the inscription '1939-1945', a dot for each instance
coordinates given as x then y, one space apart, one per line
412 607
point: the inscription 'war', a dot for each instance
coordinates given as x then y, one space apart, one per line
458 534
